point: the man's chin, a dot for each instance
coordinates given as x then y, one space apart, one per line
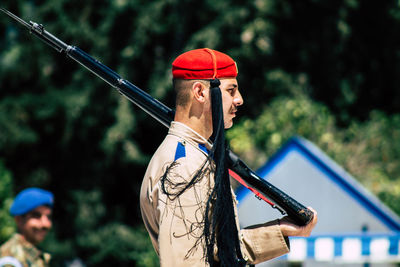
228 125
39 237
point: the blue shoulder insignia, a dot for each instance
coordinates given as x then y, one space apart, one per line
180 151
204 148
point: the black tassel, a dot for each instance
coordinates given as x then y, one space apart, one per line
222 227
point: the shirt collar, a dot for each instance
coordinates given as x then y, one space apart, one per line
184 131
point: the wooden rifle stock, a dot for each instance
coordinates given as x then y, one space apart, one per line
296 211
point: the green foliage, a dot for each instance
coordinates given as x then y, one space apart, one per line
373 156
368 150
6 221
285 116
118 242
109 242
99 239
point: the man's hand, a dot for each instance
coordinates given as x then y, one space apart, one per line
289 228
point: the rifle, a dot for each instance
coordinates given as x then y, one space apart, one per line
237 168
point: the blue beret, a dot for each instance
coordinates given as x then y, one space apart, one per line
29 199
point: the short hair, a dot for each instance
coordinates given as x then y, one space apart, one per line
182 89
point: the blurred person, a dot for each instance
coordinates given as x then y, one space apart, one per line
187 203
32 210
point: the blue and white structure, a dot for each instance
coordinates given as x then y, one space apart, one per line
354 227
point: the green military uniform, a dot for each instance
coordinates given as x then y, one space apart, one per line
18 252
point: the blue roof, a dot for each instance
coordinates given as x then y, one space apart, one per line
335 173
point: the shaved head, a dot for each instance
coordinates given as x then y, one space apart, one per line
182 90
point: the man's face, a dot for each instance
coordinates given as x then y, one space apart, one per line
231 99
35 225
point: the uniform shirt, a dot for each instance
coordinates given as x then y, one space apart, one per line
174 223
18 252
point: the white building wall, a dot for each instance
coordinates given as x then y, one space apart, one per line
350 219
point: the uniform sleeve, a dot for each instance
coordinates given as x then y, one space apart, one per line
181 223
263 242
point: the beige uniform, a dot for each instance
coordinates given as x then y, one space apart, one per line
18 252
175 223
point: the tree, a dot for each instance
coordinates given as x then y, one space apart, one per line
368 150
6 186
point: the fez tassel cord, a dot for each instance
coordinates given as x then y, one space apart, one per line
237 168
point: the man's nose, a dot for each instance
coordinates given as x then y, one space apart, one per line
46 221
238 99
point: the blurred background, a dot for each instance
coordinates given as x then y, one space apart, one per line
324 70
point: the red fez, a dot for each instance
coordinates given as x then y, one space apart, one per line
203 64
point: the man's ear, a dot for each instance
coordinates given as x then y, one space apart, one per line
198 90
